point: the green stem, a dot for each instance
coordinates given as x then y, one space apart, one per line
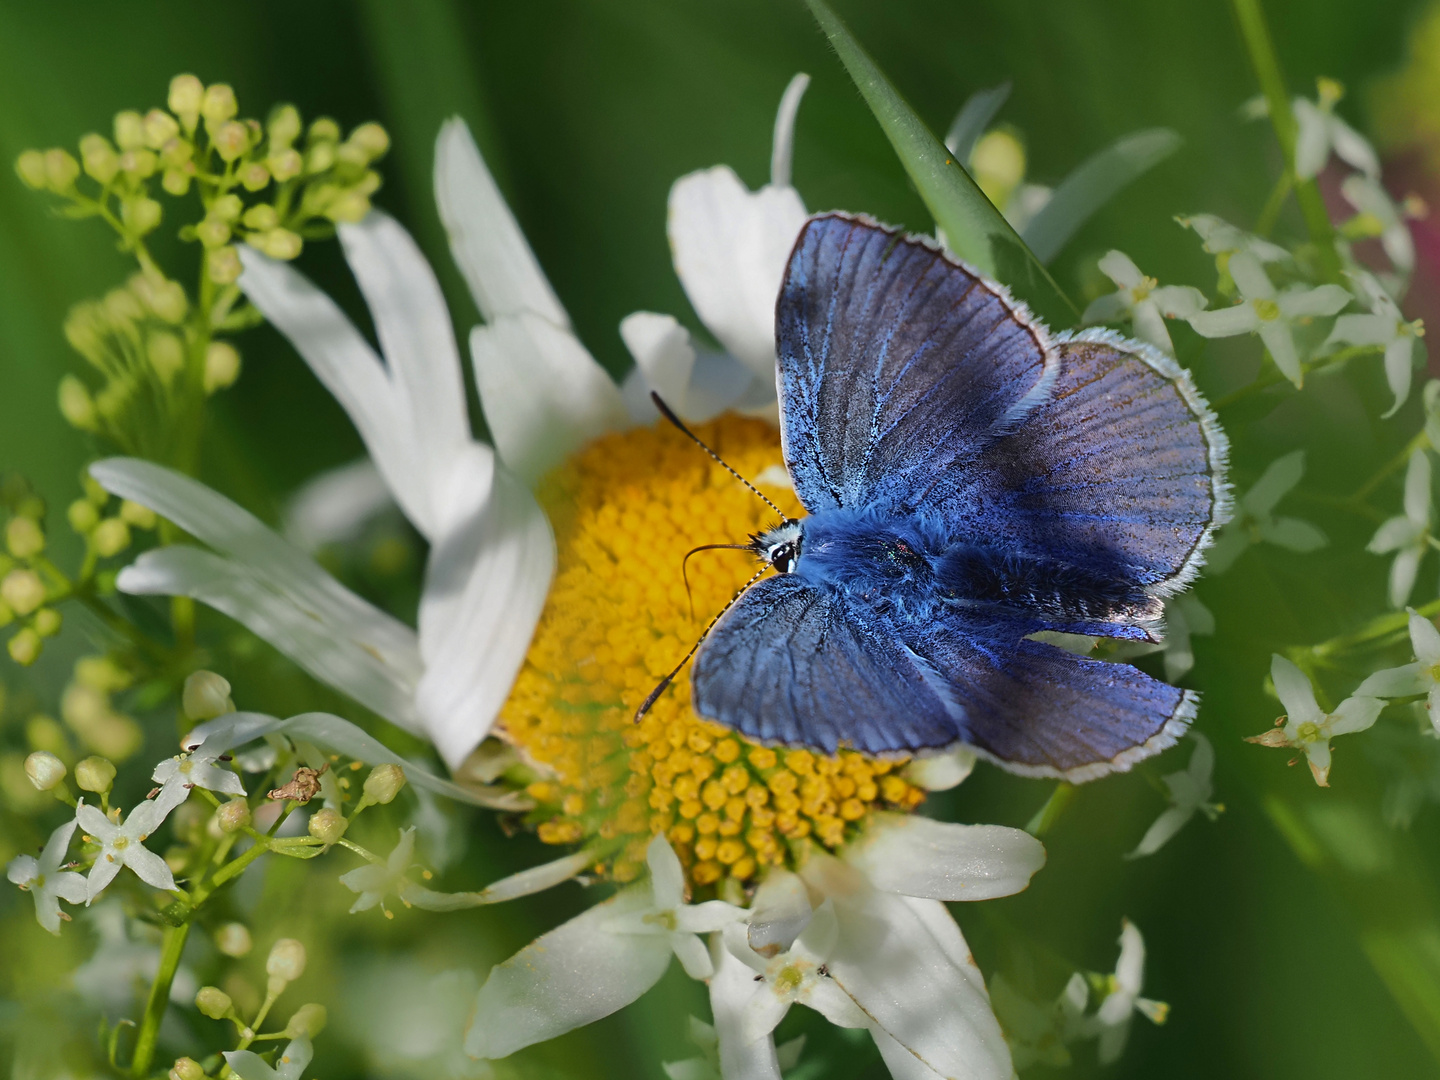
1046 817
1419 442
1273 205
1272 83
238 865
172 945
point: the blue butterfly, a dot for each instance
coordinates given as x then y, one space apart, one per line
971 480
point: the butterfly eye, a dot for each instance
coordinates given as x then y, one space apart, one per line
783 557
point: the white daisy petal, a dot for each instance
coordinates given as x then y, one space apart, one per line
779 913
416 338
343 360
485 586
333 507
730 247
326 644
569 977
493 255
918 856
543 394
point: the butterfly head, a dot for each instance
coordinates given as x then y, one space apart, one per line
780 546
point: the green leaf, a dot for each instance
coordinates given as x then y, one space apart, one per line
1094 183
974 229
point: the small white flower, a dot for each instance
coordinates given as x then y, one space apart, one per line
1319 132
124 844
290 1065
1407 534
1377 215
375 881
46 882
1221 239
1190 790
1256 523
1123 1000
1420 677
1306 726
1143 301
1384 327
730 246
197 768
598 962
1268 313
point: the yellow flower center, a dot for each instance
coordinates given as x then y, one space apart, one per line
1267 309
1307 732
625 511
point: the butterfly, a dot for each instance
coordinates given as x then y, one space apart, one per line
970 480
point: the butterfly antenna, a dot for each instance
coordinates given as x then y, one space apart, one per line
666 412
664 683
684 573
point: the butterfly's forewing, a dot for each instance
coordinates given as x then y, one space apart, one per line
789 663
894 363
1121 469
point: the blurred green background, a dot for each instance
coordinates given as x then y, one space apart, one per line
587 110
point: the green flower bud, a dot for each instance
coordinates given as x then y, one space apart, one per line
286 961
222 265
141 215
327 825
284 126
254 176
233 815
133 513
93 491
323 129
187 95
213 1002
285 164
306 1022
164 297
370 138
218 104
222 366
75 403
7 616
47 622
352 155
31 168
279 243
178 153
232 140
61 170
206 696
186 1068
115 736
348 206
140 163
212 232
83 706
233 939
166 353
45 770
319 157
95 774
121 307
159 127
43 733
384 783
227 208
99 158
175 181
23 591
24 647
24 537
110 537
129 130
261 217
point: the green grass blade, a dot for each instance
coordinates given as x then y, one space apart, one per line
974 229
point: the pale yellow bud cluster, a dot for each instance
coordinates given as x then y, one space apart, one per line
87 707
28 583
